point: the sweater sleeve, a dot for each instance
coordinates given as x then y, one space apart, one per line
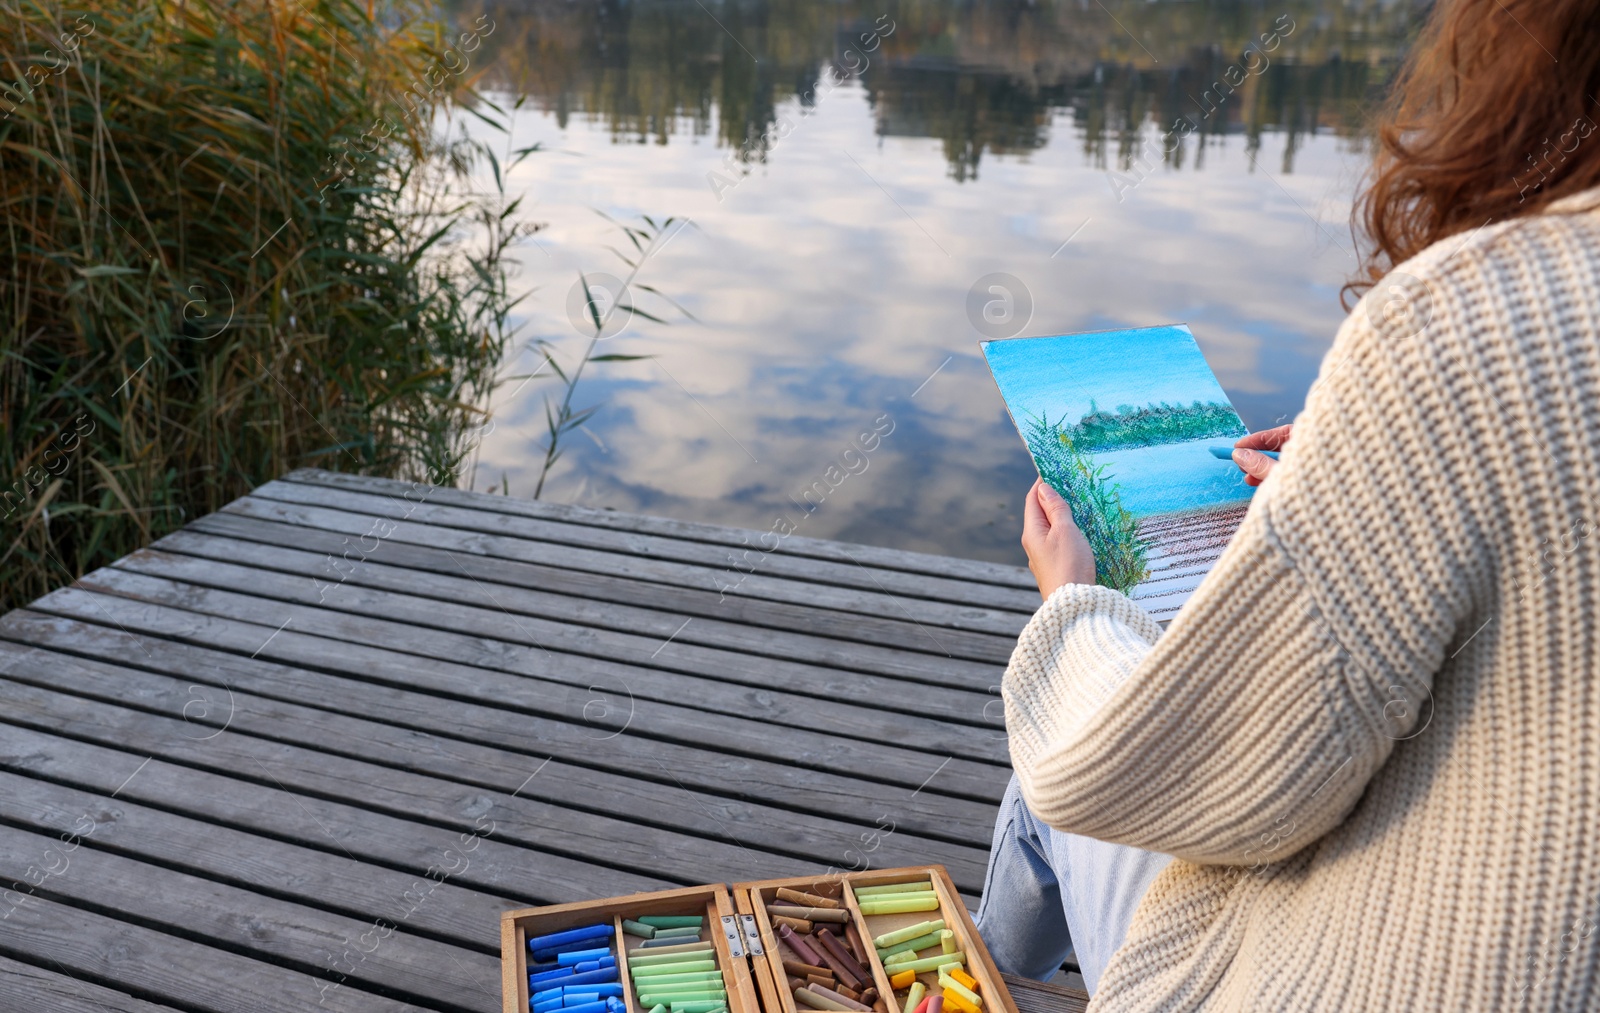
1252 725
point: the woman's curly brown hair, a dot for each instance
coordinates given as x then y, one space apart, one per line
1493 116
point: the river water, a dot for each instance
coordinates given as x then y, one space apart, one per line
836 234
1170 477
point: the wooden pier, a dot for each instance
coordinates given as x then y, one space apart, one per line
302 753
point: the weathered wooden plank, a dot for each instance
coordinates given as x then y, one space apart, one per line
469 607
312 941
899 633
27 987
1043 997
551 829
632 607
794 545
848 573
269 808
808 837
850 738
489 703
319 878
167 968
929 614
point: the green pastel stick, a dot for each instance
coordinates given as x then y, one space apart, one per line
672 921
651 995
658 1008
638 928
641 952
911 945
926 902
947 941
653 959
684 995
928 963
909 932
692 931
681 966
875 891
914 995
886 898
696 977
705 1006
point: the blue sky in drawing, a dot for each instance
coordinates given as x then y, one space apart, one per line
1058 375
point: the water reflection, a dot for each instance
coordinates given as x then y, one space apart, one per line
829 282
979 77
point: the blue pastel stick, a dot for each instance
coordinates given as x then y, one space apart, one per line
579 956
541 968
1226 453
545 1005
579 998
557 940
594 965
600 990
604 974
588 1007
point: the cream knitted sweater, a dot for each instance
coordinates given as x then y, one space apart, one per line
1372 737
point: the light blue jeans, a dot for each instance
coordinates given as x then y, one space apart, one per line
1048 893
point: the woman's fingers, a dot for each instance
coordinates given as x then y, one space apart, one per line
1055 508
1035 523
1267 439
1255 466
1058 553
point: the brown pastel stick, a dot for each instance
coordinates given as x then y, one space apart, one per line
852 938
795 983
848 1003
848 993
806 899
870 996
806 997
797 968
842 951
812 914
800 925
802 949
825 980
831 950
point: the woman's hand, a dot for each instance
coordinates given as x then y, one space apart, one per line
1256 466
1057 551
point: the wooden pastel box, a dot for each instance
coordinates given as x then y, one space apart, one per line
750 931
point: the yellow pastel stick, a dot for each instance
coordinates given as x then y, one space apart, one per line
952 985
947 941
903 979
955 999
962 976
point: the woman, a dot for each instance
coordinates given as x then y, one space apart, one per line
1361 769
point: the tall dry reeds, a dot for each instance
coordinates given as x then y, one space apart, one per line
230 246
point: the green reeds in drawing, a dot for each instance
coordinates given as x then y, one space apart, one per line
1153 424
1120 554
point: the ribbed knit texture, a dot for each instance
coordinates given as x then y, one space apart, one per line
1372 737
